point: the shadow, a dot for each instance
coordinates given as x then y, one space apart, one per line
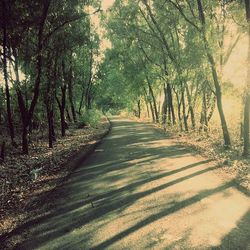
178 206
122 156
108 166
120 166
118 200
239 237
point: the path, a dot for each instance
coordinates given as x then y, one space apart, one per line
147 193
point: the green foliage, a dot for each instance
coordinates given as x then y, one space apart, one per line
91 117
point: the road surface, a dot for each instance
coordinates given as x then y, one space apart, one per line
141 190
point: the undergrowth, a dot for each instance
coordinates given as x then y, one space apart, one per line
91 117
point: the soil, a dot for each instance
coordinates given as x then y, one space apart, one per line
28 182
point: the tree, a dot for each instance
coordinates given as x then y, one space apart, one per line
7 90
33 41
25 111
247 92
202 30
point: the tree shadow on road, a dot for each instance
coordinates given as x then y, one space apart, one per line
178 206
70 216
66 219
239 237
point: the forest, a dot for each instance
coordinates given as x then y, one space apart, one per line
42 49
166 63
67 67
170 58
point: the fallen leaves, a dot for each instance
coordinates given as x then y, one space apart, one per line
231 160
25 178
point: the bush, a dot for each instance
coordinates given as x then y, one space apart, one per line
91 117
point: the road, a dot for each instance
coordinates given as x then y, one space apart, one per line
141 190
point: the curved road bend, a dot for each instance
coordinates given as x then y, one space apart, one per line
140 190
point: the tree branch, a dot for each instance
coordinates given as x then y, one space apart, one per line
179 8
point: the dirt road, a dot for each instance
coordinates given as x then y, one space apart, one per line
140 190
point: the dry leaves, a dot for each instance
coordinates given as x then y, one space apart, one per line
24 178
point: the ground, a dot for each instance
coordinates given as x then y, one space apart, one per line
142 190
20 193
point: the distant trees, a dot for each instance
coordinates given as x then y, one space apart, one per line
178 50
166 57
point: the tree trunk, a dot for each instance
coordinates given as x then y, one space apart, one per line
203 120
154 101
88 97
179 111
164 109
152 111
139 108
62 111
147 108
63 129
46 4
25 147
9 113
191 110
81 102
22 107
53 126
68 115
27 114
61 106
170 103
1 104
246 126
49 119
184 110
70 93
2 152
88 101
227 141
212 108
247 97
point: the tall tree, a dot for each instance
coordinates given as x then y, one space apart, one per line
5 10
247 92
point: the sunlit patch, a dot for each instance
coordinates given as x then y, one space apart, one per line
148 196
99 150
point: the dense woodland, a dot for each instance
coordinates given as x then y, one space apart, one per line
166 63
169 58
49 52
178 71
